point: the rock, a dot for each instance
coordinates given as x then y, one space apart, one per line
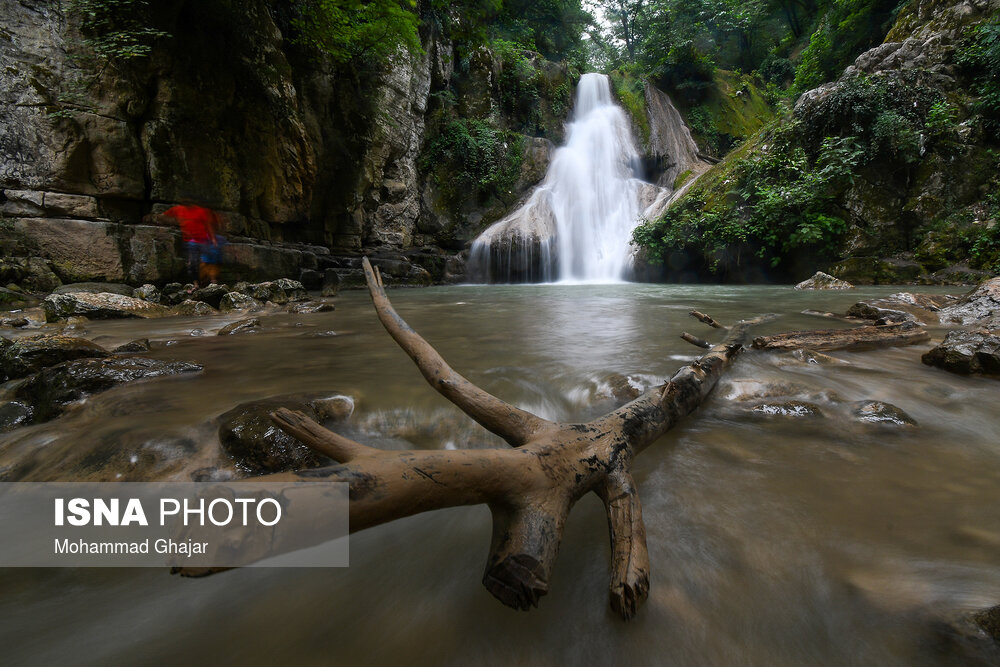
248 435
311 279
173 294
249 325
900 307
982 304
138 345
49 390
877 412
967 352
31 273
238 301
147 293
311 307
77 250
25 356
193 308
958 274
14 322
99 306
333 408
331 282
792 409
211 294
12 298
822 280
14 414
95 288
293 289
989 621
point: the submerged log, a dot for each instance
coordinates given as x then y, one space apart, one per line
858 338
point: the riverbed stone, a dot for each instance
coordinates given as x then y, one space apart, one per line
792 409
96 288
878 412
901 307
251 439
211 294
249 325
979 306
138 345
311 307
51 389
989 621
147 293
967 352
191 307
14 322
238 301
14 414
820 280
98 306
25 356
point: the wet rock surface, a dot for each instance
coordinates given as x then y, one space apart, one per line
967 352
211 294
820 280
901 307
24 356
249 325
191 307
792 409
98 306
138 345
251 439
877 412
50 390
239 301
981 306
14 414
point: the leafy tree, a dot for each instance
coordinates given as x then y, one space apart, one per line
357 29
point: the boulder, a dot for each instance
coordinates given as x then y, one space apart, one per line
14 414
276 291
822 280
191 307
51 389
901 307
211 294
147 293
98 306
10 298
989 621
111 288
239 301
248 435
249 325
981 305
877 412
173 294
24 356
967 352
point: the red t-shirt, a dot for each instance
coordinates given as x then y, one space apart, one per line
196 222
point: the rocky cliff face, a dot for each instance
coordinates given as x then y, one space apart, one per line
301 156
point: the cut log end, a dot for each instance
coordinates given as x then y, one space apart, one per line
627 596
518 581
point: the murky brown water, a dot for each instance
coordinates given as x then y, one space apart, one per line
773 541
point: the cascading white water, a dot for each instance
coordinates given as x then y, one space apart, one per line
581 217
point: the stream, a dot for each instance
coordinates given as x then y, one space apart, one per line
773 540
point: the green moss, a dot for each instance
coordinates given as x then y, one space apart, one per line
630 89
682 178
734 109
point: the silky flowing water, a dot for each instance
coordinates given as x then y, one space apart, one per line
773 541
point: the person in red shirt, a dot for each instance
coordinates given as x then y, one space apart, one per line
198 225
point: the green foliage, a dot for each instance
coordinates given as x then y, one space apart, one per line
357 29
786 204
629 88
472 157
116 31
979 56
553 28
535 98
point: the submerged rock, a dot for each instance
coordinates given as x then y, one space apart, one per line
792 409
967 352
822 280
14 414
311 307
98 306
49 390
901 307
24 356
249 325
138 345
239 301
989 621
877 412
248 435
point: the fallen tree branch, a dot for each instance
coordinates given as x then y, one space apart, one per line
702 317
857 338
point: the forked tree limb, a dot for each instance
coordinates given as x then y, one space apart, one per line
531 488
514 425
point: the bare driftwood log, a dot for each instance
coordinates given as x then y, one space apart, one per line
858 338
529 488
707 319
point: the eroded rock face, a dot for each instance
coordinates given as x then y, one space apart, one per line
967 352
257 446
981 306
822 280
98 306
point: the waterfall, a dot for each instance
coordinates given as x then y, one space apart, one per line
576 226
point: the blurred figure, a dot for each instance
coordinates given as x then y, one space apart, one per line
198 225
211 253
